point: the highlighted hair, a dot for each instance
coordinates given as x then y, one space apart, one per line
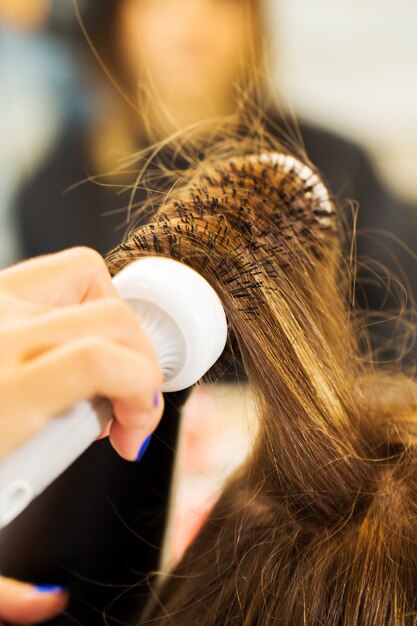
318 525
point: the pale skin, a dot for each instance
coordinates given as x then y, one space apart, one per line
65 335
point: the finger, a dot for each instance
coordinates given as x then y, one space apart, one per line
15 310
82 369
106 431
128 432
110 318
67 277
21 603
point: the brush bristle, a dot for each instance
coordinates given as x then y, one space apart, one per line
271 199
276 208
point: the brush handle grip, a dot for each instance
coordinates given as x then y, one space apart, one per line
185 321
25 473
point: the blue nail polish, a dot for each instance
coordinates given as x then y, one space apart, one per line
49 589
143 448
155 399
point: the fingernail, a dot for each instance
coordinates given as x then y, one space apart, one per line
49 589
143 448
155 399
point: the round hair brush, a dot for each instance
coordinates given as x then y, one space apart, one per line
185 320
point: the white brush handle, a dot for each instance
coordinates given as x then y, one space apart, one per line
33 466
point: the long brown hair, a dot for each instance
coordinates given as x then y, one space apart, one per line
318 526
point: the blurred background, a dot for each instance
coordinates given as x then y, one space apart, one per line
352 67
347 69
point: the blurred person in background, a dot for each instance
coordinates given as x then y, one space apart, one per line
177 63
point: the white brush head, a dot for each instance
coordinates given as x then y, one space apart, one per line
180 312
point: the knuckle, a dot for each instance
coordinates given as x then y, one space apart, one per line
139 374
95 272
89 354
116 313
90 260
86 255
116 310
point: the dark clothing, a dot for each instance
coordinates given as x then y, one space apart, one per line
51 220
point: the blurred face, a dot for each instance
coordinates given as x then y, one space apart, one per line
191 50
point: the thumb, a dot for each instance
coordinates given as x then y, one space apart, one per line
22 603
